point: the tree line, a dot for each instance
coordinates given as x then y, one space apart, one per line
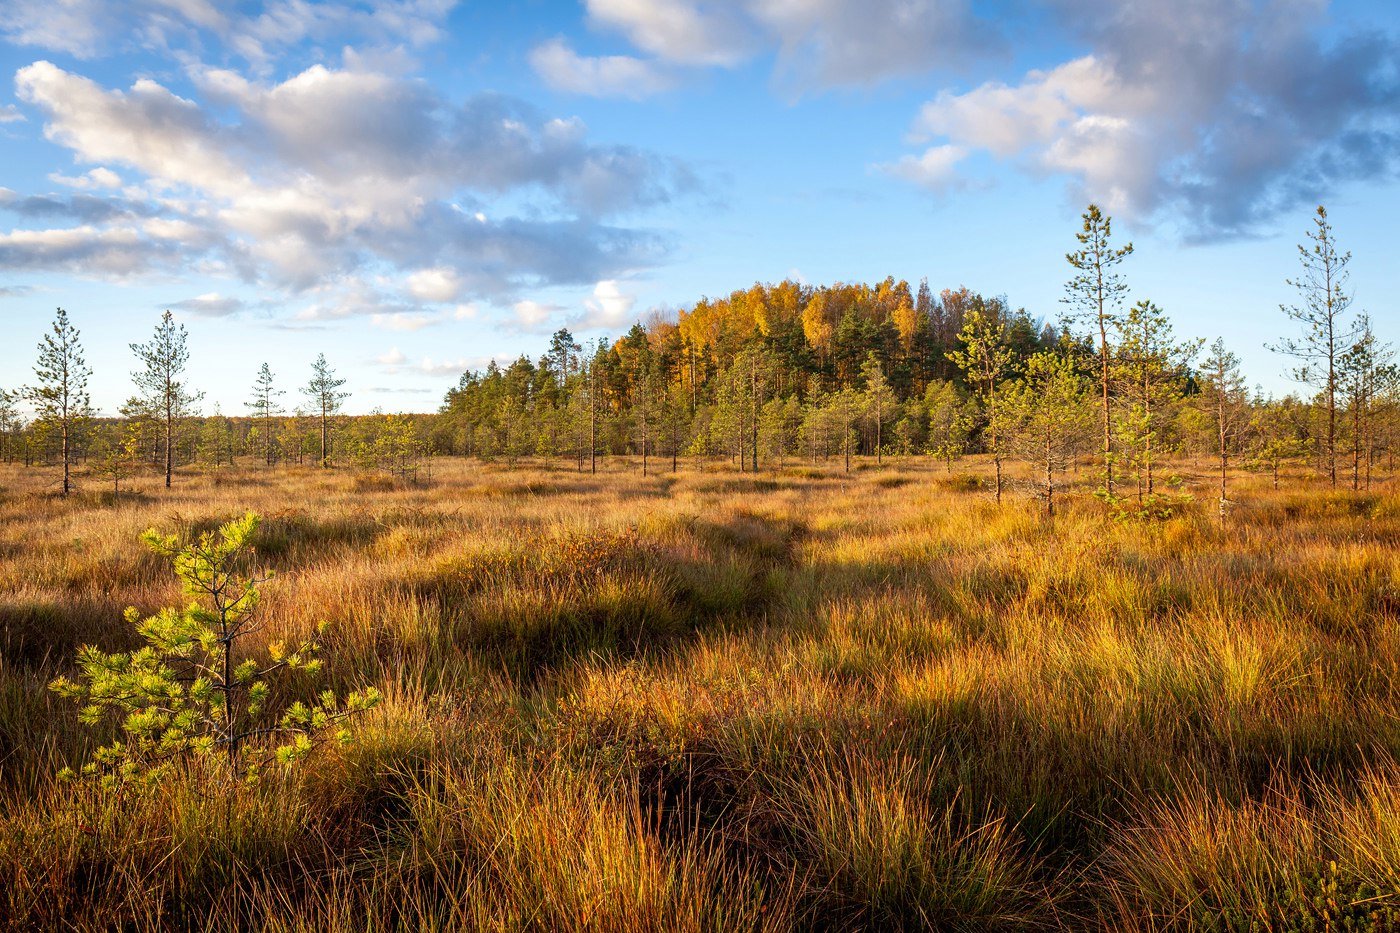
778 373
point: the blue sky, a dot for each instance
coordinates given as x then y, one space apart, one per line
415 186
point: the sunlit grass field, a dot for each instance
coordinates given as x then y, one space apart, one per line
712 700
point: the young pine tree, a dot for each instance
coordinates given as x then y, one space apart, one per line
323 392
194 690
1225 400
879 401
163 359
60 395
1149 373
265 407
985 358
9 423
1327 330
950 421
1362 371
1095 294
1047 419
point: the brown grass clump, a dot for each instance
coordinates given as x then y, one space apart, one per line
800 699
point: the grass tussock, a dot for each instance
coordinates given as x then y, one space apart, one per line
803 699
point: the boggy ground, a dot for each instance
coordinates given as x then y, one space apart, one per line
723 701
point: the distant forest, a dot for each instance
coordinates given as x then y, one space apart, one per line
786 372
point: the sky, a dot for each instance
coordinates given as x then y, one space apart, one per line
415 187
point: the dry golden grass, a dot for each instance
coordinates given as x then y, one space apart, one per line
716 701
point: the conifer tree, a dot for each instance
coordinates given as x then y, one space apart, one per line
985 358
194 690
265 407
1327 331
9 422
1225 400
323 392
949 422
1046 418
1362 372
1095 294
60 395
878 400
163 359
1149 372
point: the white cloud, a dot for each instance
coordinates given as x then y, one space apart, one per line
10 114
437 284
90 180
602 76
1217 114
114 251
609 306
532 315
678 30
935 169
329 173
392 357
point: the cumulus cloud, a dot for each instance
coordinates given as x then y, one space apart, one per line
305 182
534 316
1218 115
10 114
441 283
598 76
609 308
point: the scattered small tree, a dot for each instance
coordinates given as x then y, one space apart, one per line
60 399
1095 293
879 401
119 456
163 359
194 690
950 422
265 407
1327 332
985 358
1279 431
10 422
1225 400
323 391
1047 419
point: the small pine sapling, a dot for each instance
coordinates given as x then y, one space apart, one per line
192 691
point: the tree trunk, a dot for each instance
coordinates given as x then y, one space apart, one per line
169 442
67 482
